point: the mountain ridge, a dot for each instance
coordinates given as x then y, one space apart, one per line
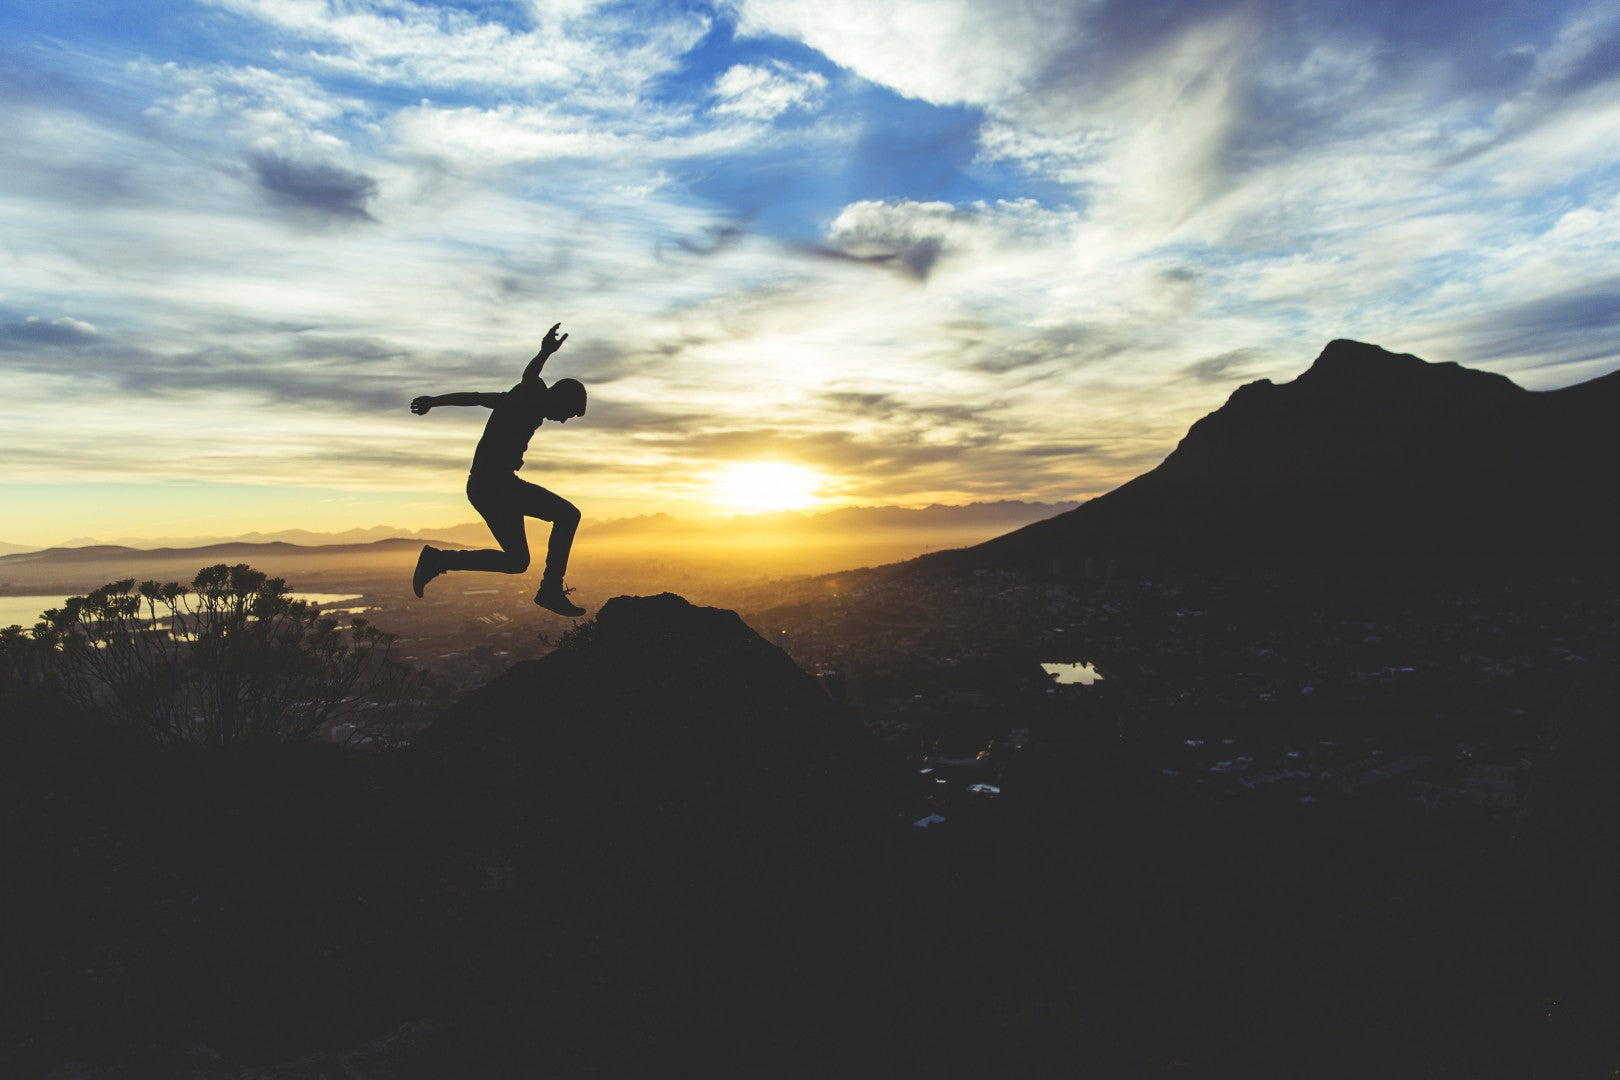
473 533
1367 458
225 550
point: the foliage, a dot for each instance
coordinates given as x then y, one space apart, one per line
21 659
581 634
232 659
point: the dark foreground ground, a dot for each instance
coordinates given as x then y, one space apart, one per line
663 850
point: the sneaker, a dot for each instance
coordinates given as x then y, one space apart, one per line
553 597
427 568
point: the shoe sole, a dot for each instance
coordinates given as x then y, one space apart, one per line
572 614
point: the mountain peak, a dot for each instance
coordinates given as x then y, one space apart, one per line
628 620
1358 368
669 671
1344 356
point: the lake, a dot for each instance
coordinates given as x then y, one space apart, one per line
1083 674
26 610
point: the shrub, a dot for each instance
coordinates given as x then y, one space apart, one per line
232 659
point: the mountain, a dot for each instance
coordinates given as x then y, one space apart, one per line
939 523
1368 459
224 552
331 567
742 548
968 517
302 537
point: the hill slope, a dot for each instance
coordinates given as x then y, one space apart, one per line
681 814
1368 458
653 847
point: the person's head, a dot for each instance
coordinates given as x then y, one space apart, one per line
565 399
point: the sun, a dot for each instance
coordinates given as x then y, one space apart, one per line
758 487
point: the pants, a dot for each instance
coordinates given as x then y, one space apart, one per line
503 501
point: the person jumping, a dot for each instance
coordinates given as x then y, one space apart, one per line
495 491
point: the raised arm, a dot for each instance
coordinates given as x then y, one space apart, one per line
423 404
550 345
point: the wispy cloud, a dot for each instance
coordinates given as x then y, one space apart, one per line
764 93
316 187
36 331
584 46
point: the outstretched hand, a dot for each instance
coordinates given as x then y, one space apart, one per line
552 342
421 405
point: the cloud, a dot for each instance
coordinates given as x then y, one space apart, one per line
1225 367
259 100
941 51
319 188
765 92
1574 326
911 236
1584 55
717 238
883 458
336 375
36 331
1157 113
892 406
572 46
472 140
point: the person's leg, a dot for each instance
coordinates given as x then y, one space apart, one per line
546 505
503 503
500 503
564 518
538 502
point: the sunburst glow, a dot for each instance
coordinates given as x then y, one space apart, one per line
762 486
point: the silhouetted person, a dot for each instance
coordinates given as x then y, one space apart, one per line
499 496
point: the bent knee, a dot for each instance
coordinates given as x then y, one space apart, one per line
567 514
515 562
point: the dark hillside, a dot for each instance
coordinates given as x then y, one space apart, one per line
688 827
654 845
1370 459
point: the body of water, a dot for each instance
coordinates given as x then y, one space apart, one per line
1083 674
26 610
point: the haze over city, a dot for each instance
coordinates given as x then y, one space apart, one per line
810 255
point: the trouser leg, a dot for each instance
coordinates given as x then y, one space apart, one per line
564 517
503 504
499 504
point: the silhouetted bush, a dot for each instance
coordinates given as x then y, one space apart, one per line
232 659
22 658
579 635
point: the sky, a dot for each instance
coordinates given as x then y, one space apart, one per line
868 253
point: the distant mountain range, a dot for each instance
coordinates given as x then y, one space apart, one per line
221 552
1368 458
957 524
